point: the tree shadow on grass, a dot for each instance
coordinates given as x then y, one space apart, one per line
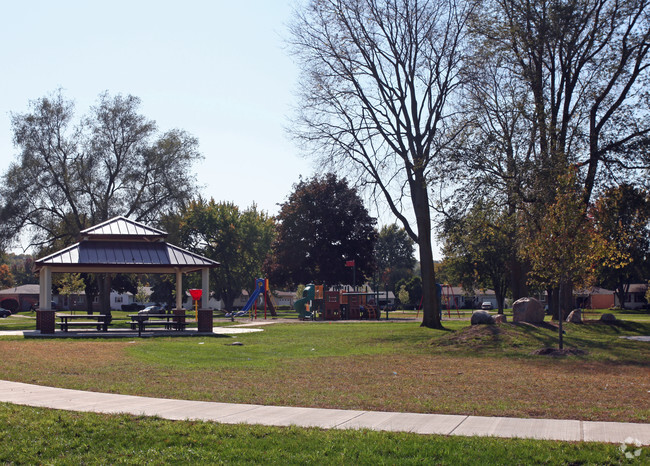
598 341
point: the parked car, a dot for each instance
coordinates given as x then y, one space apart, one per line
4 312
151 310
486 306
132 307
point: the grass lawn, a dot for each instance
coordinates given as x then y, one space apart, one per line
383 366
36 435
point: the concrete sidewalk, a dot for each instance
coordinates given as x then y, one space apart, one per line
442 424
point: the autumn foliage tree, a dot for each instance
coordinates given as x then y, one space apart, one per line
554 85
564 248
6 277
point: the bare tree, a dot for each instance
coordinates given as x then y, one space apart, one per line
585 64
553 85
378 79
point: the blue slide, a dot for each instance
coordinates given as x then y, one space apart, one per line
259 288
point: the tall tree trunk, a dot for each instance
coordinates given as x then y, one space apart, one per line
622 290
551 294
518 273
430 304
566 298
104 281
228 301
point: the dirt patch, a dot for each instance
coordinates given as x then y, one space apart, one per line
555 352
482 336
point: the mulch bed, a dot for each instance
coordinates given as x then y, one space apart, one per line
555 352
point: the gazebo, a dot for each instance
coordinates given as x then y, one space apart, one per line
120 245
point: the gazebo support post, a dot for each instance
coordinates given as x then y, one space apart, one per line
45 318
179 288
178 310
204 317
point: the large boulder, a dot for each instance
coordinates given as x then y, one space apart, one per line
481 318
575 316
528 310
607 317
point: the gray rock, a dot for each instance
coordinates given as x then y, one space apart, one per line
607 317
500 319
575 316
481 318
528 310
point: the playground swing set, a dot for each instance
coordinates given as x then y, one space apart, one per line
446 297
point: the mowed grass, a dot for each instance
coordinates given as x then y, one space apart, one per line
382 366
42 436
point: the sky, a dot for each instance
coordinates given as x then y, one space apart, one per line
216 69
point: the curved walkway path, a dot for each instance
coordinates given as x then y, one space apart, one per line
228 413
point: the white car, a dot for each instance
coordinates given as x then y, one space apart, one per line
151 310
486 306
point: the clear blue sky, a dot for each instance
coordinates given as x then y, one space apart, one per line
217 69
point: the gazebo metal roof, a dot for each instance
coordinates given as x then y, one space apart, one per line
126 246
121 228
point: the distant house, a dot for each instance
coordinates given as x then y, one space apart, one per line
25 297
594 298
20 298
635 296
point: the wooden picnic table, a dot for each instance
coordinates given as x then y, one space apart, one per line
171 322
102 321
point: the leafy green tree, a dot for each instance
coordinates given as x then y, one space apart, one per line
403 295
378 80
72 175
239 240
141 295
622 220
478 250
413 287
69 284
394 252
163 290
299 290
322 225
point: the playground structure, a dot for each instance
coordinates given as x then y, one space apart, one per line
319 303
261 288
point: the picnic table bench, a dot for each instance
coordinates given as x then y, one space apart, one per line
170 322
100 321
